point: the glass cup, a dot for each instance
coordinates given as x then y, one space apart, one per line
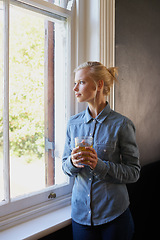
83 142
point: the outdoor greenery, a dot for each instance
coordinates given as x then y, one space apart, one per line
26 113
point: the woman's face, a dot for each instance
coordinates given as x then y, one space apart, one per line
85 87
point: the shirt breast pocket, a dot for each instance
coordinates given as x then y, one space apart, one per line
105 151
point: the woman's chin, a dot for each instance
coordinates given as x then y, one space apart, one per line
80 99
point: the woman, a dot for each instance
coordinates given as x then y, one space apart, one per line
100 198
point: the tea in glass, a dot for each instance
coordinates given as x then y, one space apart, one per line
82 143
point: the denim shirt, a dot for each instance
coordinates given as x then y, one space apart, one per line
100 195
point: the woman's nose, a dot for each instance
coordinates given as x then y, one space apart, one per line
75 87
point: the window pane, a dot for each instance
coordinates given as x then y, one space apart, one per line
33 63
1 103
26 102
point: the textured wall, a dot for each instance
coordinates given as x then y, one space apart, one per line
138 57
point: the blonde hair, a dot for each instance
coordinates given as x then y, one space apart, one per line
97 71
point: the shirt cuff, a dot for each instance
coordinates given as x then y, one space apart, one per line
72 169
101 169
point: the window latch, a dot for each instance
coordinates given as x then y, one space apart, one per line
52 195
49 146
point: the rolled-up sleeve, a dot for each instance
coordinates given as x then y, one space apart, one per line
128 169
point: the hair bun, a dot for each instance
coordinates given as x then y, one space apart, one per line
113 71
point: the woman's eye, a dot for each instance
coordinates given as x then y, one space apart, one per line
82 82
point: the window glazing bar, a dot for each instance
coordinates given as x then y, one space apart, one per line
38 10
6 156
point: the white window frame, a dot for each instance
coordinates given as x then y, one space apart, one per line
17 210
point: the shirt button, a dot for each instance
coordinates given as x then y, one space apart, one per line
88 195
89 212
90 179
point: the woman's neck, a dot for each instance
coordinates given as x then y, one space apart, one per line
96 107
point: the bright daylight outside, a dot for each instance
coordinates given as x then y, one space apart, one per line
32 38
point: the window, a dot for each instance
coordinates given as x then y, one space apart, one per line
34 108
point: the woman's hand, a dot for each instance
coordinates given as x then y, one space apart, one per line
75 157
81 158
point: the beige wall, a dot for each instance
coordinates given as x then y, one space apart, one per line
138 57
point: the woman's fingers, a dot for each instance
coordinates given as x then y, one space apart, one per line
88 157
74 157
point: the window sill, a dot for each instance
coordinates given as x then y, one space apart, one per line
40 226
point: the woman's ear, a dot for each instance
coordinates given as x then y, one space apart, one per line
100 85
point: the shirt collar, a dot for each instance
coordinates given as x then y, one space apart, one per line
102 115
